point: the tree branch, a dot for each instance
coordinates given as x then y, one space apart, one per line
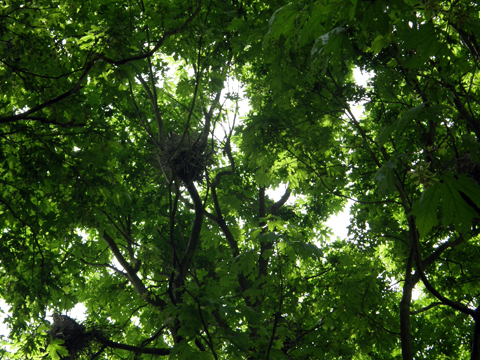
89 65
159 43
104 265
132 276
436 255
195 232
73 90
135 349
273 209
457 306
426 308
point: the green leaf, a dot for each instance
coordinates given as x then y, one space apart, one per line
56 350
456 210
385 177
379 43
307 250
426 209
326 39
282 21
447 195
470 188
392 63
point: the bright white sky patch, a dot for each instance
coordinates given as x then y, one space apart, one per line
3 327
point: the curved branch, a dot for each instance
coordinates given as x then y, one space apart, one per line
457 306
191 207
156 110
154 337
275 207
73 90
219 219
135 349
152 96
159 43
88 67
132 276
103 265
205 326
436 255
98 353
195 232
223 225
139 114
426 308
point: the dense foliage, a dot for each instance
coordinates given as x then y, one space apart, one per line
130 183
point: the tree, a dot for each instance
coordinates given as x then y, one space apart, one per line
413 158
118 193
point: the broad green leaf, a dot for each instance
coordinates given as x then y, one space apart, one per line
326 39
456 210
56 350
379 43
385 177
426 210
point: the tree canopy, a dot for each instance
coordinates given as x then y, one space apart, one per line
130 183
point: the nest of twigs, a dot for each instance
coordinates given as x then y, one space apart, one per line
184 157
76 339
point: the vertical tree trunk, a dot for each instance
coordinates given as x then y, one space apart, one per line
476 336
405 336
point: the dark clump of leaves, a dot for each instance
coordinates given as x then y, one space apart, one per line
465 165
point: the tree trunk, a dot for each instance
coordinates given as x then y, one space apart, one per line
476 336
405 336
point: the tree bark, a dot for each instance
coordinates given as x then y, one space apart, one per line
406 339
475 355
405 335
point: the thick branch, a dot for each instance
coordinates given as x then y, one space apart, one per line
89 65
219 219
408 285
195 232
457 306
135 349
74 89
275 207
436 254
475 354
132 276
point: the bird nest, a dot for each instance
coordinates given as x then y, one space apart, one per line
184 157
76 339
